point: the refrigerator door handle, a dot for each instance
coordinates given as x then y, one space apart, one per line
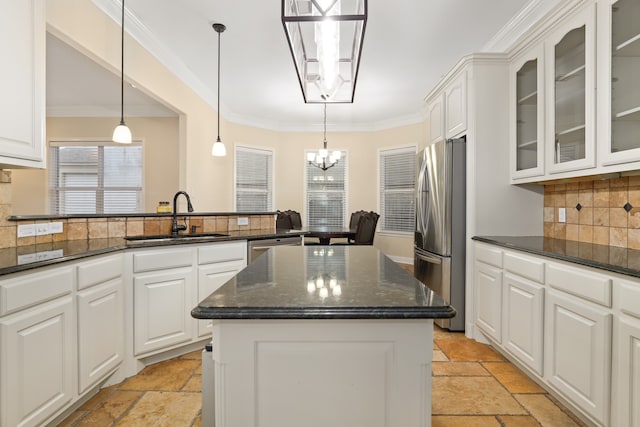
427 258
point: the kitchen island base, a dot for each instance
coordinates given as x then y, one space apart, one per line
321 372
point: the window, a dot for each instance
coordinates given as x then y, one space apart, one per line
95 178
326 198
397 179
254 180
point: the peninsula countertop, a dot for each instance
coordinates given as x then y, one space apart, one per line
323 282
27 257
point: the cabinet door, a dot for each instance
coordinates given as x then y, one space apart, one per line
488 290
527 114
162 309
523 314
100 332
22 82
619 80
570 64
626 409
578 352
455 96
435 112
210 278
37 363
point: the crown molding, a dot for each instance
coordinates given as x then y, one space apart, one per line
520 24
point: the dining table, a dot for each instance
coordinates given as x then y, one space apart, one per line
325 233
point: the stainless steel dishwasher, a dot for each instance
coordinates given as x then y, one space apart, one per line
257 247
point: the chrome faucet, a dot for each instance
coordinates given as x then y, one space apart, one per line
175 228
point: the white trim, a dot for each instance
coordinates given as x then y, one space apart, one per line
108 111
520 24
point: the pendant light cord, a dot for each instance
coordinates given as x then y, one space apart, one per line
325 126
122 68
218 140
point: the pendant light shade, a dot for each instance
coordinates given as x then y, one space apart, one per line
122 134
325 38
218 149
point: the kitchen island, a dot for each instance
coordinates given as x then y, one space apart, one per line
319 336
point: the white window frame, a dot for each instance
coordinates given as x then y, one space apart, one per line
259 150
345 208
405 149
93 142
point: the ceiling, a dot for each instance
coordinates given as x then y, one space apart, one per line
408 46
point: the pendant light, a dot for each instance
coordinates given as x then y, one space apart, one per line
122 134
218 148
323 160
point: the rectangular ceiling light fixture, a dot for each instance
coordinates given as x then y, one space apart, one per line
325 38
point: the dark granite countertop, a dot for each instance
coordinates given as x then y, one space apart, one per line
131 215
323 282
609 258
21 258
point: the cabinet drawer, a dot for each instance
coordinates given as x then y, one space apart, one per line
628 294
524 266
162 259
489 255
99 271
30 288
582 283
220 252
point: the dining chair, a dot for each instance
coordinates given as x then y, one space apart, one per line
296 219
365 230
283 221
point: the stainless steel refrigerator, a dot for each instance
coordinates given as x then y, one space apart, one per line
439 244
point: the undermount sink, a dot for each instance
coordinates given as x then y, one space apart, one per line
171 237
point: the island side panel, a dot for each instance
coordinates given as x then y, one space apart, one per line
355 373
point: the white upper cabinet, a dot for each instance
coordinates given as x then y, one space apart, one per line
435 112
527 114
570 93
455 95
619 76
22 84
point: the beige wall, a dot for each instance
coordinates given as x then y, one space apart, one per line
160 147
208 180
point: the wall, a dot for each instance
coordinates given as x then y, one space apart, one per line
160 148
209 180
601 218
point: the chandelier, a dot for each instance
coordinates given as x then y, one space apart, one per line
325 38
322 159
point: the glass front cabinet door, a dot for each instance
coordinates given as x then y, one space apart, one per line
570 62
619 72
527 115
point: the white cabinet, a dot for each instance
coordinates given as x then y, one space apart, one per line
527 114
100 319
22 84
625 408
570 93
37 362
523 314
210 278
162 309
217 263
455 96
578 352
488 290
435 115
619 78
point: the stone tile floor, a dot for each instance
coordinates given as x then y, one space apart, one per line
473 385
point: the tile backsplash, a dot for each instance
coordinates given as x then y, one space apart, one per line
604 212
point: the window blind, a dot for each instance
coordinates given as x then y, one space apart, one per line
397 181
95 178
326 191
254 180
